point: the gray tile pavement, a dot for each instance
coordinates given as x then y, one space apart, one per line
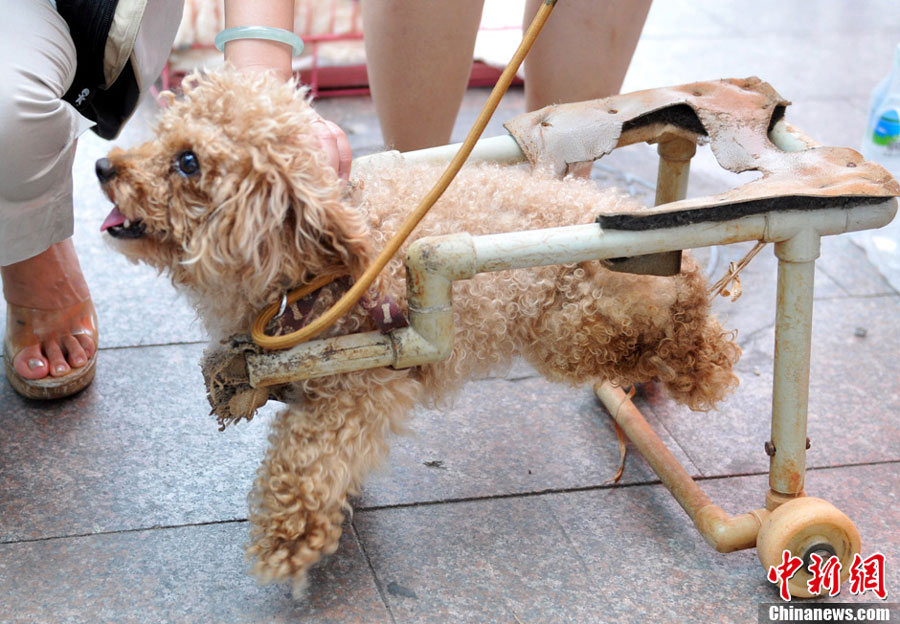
125 504
134 450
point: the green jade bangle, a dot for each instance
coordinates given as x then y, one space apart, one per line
260 32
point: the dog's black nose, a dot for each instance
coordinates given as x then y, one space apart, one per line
105 170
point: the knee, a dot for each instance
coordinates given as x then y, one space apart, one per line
22 99
35 132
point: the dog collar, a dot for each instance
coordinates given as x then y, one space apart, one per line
384 311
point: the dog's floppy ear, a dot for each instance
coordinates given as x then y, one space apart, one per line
323 221
290 222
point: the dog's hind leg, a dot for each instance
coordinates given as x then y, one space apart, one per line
321 450
598 325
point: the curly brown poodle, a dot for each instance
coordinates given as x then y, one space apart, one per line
235 201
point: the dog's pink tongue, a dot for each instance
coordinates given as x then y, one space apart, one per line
113 219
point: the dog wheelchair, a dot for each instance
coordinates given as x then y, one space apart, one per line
806 192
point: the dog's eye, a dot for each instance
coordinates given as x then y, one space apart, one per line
187 163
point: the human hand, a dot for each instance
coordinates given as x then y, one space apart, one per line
335 145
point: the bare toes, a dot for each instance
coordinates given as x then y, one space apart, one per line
30 363
87 343
58 364
75 355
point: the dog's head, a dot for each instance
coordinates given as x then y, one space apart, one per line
234 192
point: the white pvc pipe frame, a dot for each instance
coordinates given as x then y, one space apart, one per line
429 338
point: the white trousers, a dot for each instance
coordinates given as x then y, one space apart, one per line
37 129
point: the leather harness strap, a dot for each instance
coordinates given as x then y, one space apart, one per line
384 311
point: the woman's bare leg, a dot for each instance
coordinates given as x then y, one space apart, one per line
419 57
583 51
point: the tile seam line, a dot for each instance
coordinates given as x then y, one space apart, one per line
891 292
449 501
359 544
589 488
880 295
154 345
120 531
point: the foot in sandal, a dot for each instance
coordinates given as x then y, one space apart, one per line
50 346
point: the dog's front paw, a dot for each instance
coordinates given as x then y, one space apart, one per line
284 546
